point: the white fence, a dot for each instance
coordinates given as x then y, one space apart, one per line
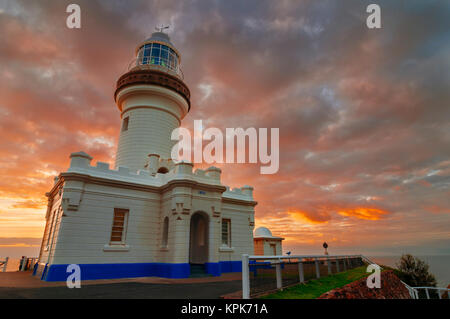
431 292
262 274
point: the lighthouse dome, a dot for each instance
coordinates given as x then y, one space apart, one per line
158 52
263 232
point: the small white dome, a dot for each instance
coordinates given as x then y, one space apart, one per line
263 232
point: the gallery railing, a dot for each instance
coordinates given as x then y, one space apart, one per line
140 64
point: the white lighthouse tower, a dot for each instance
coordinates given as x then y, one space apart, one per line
152 99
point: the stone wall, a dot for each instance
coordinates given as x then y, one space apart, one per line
391 288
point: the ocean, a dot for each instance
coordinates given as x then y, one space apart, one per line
439 266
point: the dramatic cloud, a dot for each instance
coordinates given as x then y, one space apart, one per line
363 114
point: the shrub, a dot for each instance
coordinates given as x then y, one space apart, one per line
415 272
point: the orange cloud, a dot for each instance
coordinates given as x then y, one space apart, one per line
30 204
364 213
305 217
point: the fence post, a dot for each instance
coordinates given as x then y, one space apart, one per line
245 278
317 268
345 264
5 264
337 265
301 273
426 291
278 271
23 263
329 265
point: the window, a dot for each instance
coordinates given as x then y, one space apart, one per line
119 226
125 124
52 222
158 54
165 232
226 232
273 249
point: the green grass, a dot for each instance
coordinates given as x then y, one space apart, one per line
316 287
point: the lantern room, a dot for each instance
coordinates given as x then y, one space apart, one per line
158 52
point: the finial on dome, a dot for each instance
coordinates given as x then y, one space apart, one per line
162 28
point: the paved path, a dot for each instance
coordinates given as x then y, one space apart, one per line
23 285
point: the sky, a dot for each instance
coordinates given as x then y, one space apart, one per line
364 114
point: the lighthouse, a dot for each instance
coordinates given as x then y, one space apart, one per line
152 100
145 215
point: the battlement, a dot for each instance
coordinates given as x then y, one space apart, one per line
245 193
81 163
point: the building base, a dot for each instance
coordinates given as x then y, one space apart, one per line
132 270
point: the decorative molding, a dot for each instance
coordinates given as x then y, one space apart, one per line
154 77
116 248
239 201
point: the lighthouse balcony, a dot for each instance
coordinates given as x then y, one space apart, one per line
157 65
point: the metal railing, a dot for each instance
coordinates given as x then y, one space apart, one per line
27 263
414 291
263 274
138 64
431 292
4 264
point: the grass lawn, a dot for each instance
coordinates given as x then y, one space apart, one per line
316 287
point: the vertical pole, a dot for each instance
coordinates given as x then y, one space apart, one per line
278 271
426 291
245 278
23 264
329 265
337 265
301 273
345 264
317 268
5 264
439 293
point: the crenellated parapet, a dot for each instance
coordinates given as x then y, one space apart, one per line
243 193
81 163
180 175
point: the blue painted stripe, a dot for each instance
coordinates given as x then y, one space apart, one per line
113 271
231 266
132 270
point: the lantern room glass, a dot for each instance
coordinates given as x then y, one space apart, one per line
158 54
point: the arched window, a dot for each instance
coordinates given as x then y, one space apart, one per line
165 232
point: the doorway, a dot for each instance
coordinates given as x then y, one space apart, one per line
198 246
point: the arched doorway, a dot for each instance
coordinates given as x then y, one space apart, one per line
198 246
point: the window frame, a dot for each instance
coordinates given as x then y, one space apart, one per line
126 212
125 124
228 222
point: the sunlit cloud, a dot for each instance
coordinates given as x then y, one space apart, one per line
364 213
363 116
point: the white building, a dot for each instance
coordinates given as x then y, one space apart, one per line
146 216
266 244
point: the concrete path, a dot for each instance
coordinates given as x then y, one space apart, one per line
23 285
